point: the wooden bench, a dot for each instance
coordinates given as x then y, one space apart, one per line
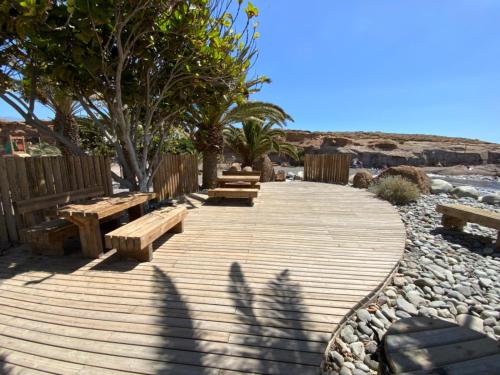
48 237
455 216
135 239
234 193
420 345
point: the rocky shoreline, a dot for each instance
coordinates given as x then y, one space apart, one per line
444 274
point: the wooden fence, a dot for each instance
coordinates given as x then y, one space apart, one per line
26 178
333 168
176 175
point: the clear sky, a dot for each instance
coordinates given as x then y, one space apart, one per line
409 66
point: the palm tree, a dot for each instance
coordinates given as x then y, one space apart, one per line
210 120
256 139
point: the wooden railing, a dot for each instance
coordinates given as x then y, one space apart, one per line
176 175
31 177
331 168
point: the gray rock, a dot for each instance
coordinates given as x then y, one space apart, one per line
426 281
361 366
388 312
493 199
406 306
364 315
358 371
402 314
299 175
471 322
336 358
465 192
345 371
347 334
372 364
371 346
439 186
464 290
358 350
363 328
485 283
490 314
415 298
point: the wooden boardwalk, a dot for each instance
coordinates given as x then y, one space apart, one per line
243 290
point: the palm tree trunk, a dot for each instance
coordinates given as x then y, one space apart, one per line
66 125
210 159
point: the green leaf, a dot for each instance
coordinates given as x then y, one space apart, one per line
251 10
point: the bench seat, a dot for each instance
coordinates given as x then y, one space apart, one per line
237 193
135 239
47 238
455 216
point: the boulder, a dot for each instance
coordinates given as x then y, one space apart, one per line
440 186
299 175
235 167
265 166
247 169
493 199
413 174
362 179
280 175
465 191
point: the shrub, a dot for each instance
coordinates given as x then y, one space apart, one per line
396 190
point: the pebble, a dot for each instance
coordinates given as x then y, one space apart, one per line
406 306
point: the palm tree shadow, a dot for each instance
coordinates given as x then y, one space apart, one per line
180 351
275 326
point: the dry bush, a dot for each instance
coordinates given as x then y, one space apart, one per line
395 189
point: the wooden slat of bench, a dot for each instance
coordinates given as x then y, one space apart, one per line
51 201
479 216
143 231
233 193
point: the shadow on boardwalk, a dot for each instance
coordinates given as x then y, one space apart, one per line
275 322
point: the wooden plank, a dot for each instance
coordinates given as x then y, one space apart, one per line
479 216
8 211
49 175
51 201
59 185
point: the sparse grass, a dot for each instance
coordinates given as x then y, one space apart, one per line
395 189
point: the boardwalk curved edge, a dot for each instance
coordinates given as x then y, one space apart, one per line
242 290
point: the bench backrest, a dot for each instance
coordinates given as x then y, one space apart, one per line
54 200
479 216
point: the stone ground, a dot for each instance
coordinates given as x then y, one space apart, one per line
444 274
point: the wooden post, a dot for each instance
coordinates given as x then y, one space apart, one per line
90 235
451 222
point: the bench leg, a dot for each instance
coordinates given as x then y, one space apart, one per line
250 201
451 222
178 228
91 238
145 255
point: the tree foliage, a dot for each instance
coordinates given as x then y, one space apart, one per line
140 70
256 139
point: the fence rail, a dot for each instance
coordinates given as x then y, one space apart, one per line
176 175
331 168
26 178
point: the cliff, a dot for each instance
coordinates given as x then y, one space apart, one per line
384 149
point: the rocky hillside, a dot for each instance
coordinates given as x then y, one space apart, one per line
384 149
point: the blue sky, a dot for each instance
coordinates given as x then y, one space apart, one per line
409 66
